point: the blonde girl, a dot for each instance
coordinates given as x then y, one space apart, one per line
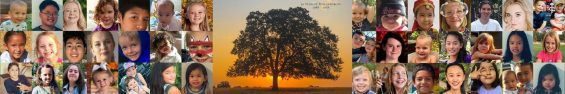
398 82
195 17
550 52
517 15
73 17
46 47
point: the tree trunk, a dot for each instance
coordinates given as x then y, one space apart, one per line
275 86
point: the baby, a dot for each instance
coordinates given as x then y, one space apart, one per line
510 82
423 52
18 14
167 20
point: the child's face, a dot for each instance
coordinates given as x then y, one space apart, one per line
487 73
452 45
548 81
71 13
392 19
46 75
358 40
358 13
200 48
130 47
524 73
15 46
131 71
18 14
74 49
197 78
485 10
559 9
362 82
455 77
454 14
515 17
483 47
515 44
370 46
165 12
540 5
425 18
73 73
135 19
102 46
510 81
393 48
169 75
550 44
132 84
197 14
49 16
423 47
102 80
398 76
108 14
424 82
13 71
165 47
47 47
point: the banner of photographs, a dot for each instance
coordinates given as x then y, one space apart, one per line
486 77
106 15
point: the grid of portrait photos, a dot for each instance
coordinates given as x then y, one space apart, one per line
82 47
458 46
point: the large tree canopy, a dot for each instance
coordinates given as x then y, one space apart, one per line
286 44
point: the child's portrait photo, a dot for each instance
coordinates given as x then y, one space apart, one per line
133 15
103 78
165 47
548 78
196 15
74 18
16 78
102 15
134 78
16 46
15 15
134 47
166 15
47 15
47 47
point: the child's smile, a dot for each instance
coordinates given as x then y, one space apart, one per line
362 82
18 14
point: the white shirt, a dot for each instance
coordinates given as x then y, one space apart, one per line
492 25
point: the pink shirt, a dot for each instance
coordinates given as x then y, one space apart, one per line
546 57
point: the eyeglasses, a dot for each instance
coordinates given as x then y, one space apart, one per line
50 14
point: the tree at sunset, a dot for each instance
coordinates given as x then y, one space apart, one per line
287 44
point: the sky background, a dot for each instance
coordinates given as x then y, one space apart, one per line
229 16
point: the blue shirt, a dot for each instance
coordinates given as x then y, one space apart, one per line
10 84
75 90
540 18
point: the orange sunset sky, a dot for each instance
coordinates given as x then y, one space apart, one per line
229 19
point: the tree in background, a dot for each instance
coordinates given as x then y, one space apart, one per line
286 44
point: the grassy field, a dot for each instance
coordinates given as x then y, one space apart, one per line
538 47
317 90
